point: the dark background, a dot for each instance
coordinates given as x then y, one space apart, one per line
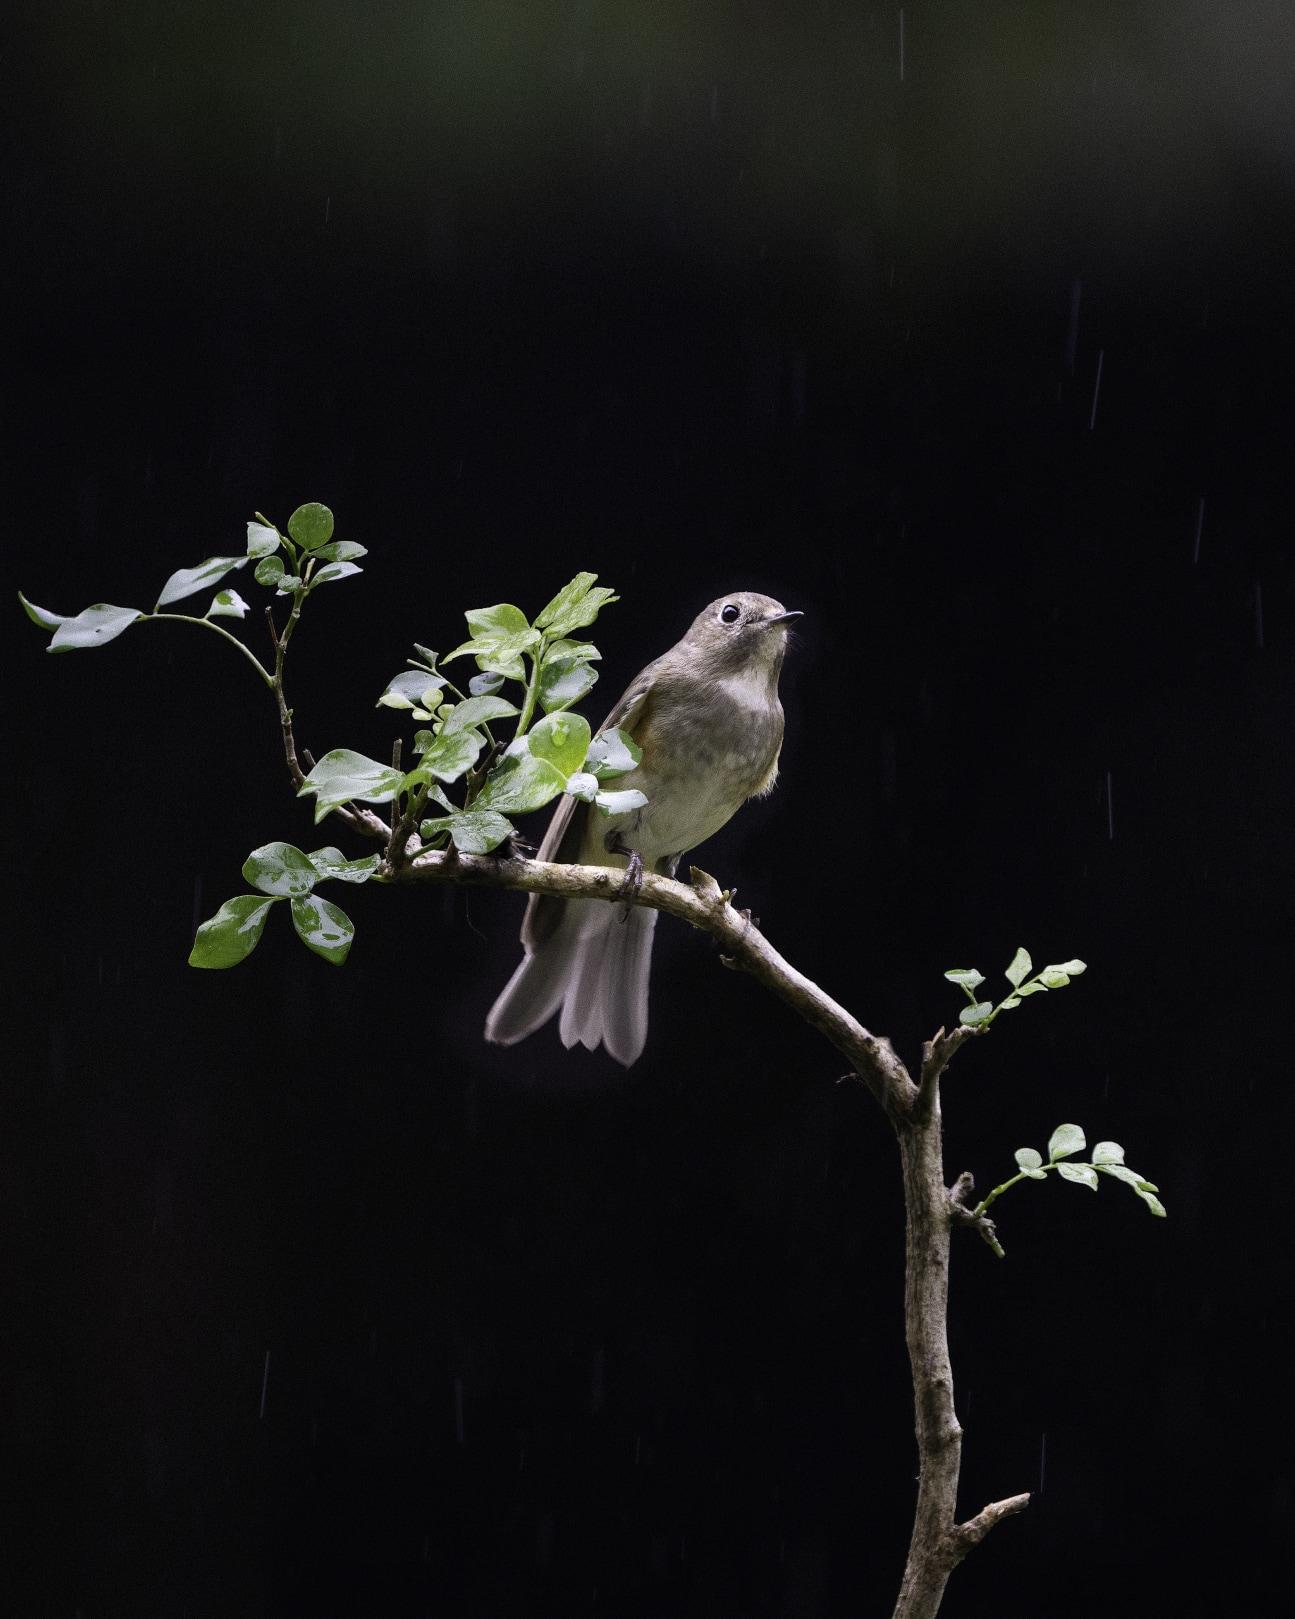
314 1303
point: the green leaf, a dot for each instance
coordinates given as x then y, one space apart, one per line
472 831
1032 988
262 541
485 685
447 757
583 786
579 613
478 711
518 783
968 977
279 869
577 651
500 634
1010 1004
613 753
232 934
341 551
622 802
93 626
507 664
411 689
1064 1140
41 615
975 1014
1082 1174
1028 1158
563 682
1036 1174
333 571
1060 974
1130 1177
227 604
1150 1199
503 620
311 525
1019 968
288 584
188 581
1108 1152
323 927
343 775
562 739
268 571
330 862
565 599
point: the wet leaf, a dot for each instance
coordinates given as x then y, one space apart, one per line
478 711
1064 1140
232 934
471 831
409 688
1081 1174
613 753
562 739
268 571
968 977
974 1015
518 783
332 863
323 927
188 581
1108 1152
564 681
311 525
41 615
343 775
581 612
622 802
1019 968
576 651
484 685
1028 1158
227 604
342 551
262 541
500 634
93 626
583 786
565 599
333 571
447 757
280 869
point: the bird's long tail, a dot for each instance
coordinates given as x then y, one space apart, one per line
595 966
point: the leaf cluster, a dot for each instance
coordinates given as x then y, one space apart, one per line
979 1014
1064 1142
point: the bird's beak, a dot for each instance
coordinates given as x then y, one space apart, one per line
781 618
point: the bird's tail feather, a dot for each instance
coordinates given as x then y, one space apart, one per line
595 965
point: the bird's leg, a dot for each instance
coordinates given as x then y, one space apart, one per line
633 884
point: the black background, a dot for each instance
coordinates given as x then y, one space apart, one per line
701 297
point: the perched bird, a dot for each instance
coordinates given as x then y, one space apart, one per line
707 718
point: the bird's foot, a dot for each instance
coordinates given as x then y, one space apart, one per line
632 886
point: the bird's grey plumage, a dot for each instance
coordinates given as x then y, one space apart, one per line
707 718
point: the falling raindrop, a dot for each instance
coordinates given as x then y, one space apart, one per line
1072 333
901 44
1097 388
1200 524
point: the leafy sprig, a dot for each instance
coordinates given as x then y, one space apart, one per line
1065 1141
979 1014
458 745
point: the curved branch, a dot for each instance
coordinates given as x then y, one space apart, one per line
706 906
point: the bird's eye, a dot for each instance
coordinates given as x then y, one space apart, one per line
729 614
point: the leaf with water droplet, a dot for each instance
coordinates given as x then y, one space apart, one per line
520 782
268 571
232 934
478 711
311 525
332 571
323 927
447 757
341 551
485 685
93 626
1019 969
976 1014
565 599
563 739
582 785
280 869
471 831
410 688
